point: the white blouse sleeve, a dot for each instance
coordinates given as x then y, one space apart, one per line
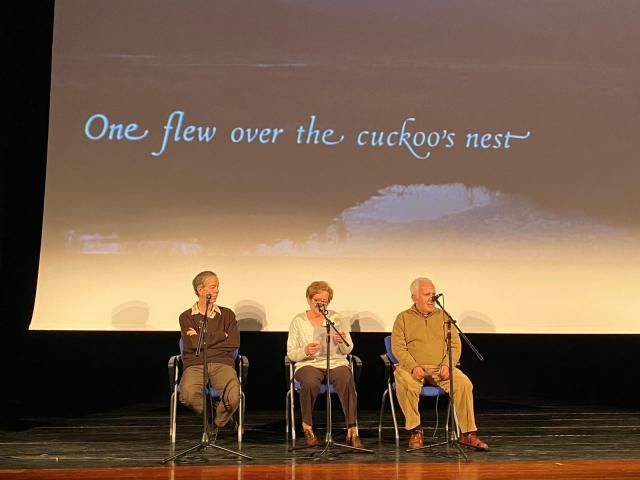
296 342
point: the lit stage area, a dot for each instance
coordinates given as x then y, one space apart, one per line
534 443
490 145
87 413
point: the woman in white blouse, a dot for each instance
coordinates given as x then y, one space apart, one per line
306 346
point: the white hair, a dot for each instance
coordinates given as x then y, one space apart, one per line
413 288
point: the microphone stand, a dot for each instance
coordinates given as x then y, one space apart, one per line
205 441
328 441
451 439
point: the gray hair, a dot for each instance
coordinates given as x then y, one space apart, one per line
413 288
199 279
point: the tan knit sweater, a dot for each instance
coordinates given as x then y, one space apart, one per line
418 340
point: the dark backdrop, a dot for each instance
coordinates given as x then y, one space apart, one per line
69 373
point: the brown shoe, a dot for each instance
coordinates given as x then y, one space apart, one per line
471 439
354 441
311 438
416 440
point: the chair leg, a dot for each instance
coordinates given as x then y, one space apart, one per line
382 402
393 415
446 425
286 416
241 417
292 416
173 410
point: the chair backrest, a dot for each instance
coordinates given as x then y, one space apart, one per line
387 346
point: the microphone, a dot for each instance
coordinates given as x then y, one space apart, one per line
208 296
321 308
435 298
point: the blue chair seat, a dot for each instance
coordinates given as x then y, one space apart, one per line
323 387
427 390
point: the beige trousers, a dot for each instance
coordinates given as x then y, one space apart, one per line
408 394
221 377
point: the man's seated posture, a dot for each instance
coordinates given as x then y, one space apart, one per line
222 339
419 342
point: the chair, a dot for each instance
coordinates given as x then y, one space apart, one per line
175 373
294 386
390 363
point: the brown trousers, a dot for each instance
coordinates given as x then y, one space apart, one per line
221 377
342 379
408 394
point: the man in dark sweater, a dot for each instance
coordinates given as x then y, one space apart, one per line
222 339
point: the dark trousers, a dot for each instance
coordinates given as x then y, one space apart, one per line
311 377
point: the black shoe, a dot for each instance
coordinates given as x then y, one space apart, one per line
230 426
211 435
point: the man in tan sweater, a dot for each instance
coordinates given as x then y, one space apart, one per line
418 341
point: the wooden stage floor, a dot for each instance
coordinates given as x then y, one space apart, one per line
527 443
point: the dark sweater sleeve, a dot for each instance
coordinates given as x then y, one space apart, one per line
189 342
224 336
234 333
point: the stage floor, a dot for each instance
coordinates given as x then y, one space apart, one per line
545 442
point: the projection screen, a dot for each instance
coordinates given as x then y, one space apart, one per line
490 145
